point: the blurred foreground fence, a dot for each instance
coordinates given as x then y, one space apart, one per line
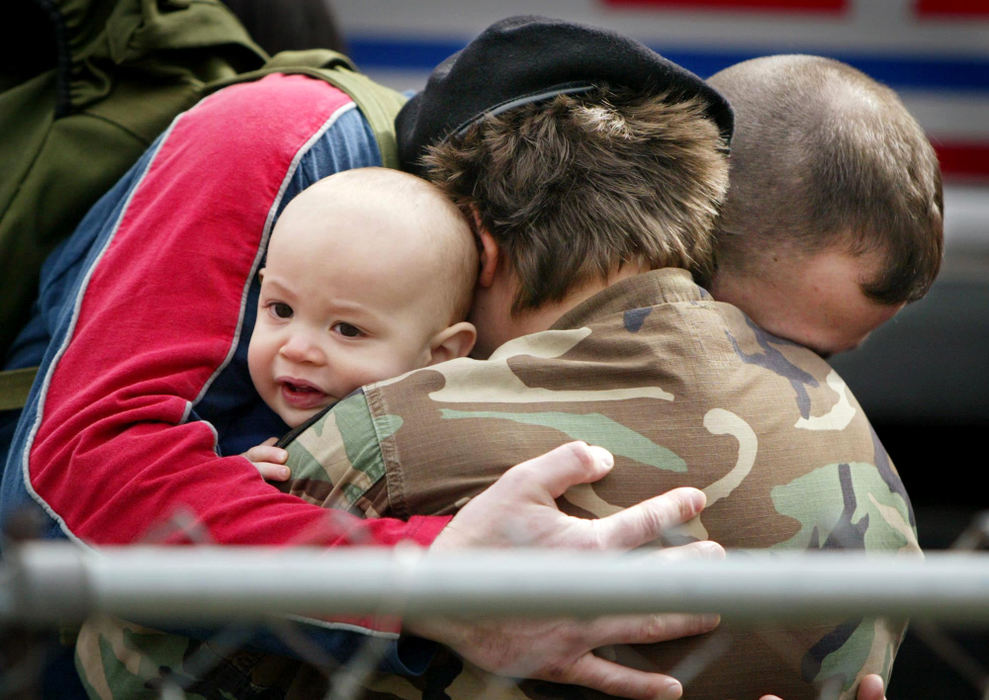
46 585
51 582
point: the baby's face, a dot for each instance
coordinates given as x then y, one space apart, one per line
331 320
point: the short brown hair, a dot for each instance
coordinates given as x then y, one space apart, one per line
576 187
822 157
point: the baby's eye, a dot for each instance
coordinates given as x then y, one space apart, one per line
347 330
280 309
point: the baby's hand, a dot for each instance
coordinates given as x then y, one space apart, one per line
269 460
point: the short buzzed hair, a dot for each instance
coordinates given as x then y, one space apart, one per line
576 187
824 157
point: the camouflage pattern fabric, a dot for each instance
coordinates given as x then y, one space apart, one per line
120 659
684 391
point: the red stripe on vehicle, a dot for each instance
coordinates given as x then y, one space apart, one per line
952 8
963 160
788 6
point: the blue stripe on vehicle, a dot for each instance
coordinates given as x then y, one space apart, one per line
954 73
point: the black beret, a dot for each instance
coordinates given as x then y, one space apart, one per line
526 59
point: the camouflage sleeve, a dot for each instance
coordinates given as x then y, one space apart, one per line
337 462
121 660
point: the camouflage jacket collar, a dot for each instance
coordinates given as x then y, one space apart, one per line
663 286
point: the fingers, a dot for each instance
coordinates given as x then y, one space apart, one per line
661 628
556 651
871 688
269 460
267 452
567 465
273 472
645 522
611 678
646 629
704 549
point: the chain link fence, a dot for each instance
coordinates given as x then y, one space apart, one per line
46 587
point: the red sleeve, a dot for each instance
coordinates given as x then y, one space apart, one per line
115 454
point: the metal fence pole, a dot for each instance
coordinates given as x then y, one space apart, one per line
47 582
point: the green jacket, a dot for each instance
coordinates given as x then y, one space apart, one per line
95 83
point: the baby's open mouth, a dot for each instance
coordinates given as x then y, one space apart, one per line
302 388
302 395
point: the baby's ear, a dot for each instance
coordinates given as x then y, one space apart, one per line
452 342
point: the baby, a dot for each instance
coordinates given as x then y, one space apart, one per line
369 274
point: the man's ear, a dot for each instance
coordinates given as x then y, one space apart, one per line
452 342
488 251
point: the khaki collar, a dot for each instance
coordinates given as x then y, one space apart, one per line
663 286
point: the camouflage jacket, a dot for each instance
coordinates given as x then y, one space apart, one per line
683 390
